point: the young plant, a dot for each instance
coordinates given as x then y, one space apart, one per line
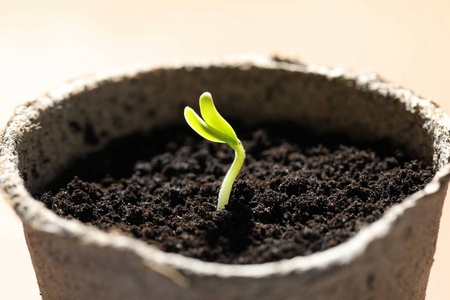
214 128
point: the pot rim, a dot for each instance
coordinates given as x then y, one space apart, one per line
34 214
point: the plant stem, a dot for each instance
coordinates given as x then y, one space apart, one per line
225 189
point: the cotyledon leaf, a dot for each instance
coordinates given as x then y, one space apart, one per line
214 119
200 126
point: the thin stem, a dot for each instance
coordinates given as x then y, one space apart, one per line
227 184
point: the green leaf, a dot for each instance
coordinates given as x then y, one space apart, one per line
215 120
200 126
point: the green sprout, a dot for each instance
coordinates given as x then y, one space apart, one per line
214 128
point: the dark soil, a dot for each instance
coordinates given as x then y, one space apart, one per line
297 193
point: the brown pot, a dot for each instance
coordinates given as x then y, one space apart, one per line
390 259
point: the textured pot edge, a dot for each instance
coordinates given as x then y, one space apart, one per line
35 215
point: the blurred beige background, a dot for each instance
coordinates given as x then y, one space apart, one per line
43 43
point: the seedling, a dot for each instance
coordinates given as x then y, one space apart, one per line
214 128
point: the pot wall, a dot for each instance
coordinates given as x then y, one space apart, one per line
389 259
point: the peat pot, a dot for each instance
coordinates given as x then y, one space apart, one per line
389 259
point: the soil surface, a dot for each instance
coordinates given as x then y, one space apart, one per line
296 194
